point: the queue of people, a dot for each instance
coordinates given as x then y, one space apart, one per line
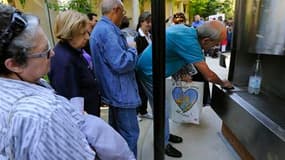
60 119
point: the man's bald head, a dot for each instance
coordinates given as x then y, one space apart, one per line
215 30
211 34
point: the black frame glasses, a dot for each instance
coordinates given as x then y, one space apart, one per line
124 12
45 54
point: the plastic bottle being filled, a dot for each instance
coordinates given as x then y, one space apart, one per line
254 83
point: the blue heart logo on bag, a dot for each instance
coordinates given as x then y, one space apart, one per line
185 100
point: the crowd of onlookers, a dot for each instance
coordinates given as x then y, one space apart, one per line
94 63
225 44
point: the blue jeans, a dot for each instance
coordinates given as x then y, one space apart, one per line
124 121
149 92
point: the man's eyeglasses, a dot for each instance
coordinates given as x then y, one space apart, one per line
45 54
124 12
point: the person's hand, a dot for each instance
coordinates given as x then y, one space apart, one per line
132 44
227 84
186 78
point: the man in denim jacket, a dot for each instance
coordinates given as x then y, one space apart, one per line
114 64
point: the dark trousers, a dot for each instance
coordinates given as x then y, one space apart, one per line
142 109
92 104
206 98
124 121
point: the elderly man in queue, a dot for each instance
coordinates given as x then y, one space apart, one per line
114 62
35 123
183 46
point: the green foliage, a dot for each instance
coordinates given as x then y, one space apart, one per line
227 8
82 6
46 78
22 2
209 7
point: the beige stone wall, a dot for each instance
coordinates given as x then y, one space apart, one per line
4 1
39 8
95 6
171 7
128 4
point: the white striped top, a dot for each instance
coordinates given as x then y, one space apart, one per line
36 124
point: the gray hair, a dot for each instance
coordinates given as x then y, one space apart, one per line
211 29
108 5
25 41
20 45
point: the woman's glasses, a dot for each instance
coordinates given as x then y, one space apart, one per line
45 54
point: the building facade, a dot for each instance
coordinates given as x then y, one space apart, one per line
133 8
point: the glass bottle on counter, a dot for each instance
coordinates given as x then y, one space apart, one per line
254 83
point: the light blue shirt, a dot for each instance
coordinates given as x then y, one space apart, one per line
36 124
114 64
196 24
182 47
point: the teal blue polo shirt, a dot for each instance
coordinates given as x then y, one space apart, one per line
182 47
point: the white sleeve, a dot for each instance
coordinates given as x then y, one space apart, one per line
109 144
37 134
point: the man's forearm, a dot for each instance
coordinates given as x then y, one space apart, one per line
208 74
213 77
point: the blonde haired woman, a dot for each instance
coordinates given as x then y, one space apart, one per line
71 75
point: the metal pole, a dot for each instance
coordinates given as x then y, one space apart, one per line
236 39
158 63
50 23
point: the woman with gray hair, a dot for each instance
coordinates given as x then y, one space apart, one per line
33 119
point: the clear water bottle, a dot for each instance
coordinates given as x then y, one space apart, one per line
255 79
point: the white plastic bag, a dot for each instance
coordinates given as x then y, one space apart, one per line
185 100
